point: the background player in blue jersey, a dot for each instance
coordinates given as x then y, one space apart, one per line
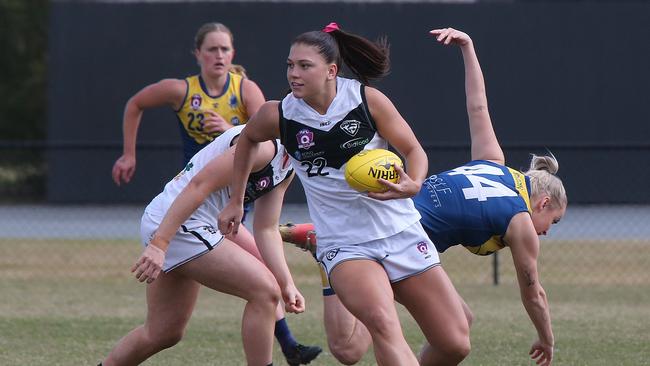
484 206
206 105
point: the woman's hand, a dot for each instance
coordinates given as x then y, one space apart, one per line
123 169
150 263
405 188
449 36
541 353
213 123
294 302
230 218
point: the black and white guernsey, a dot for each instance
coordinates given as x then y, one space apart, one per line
319 147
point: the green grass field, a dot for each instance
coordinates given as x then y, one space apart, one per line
67 303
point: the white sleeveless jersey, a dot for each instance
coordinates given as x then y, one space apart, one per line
319 147
259 183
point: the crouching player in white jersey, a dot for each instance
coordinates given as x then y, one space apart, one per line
184 250
484 206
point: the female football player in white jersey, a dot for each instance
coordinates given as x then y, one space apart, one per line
206 105
184 250
372 246
509 208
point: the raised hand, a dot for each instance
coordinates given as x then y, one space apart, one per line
449 36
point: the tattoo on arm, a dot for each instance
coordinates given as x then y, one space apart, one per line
529 279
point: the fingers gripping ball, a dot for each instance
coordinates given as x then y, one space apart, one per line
363 170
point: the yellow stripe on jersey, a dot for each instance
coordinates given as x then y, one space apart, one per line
520 185
495 243
490 246
228 105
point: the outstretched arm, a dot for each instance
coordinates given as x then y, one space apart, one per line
165 92
485 145
524 245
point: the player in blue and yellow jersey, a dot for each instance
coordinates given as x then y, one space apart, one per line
206 105
484 206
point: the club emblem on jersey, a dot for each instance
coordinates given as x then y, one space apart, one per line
423 247
235 121
195 101
263 183
350 126
232 102
305 139
331 254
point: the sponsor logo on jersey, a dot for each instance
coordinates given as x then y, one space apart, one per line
331 254
263 183
305 139
195 101
232 102
351 144
325 123
235 121
310 154
350 126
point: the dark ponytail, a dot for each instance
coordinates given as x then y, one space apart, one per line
367 60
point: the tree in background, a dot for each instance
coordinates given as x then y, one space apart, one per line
23 46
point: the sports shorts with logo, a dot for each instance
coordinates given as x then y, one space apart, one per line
193 239
402 255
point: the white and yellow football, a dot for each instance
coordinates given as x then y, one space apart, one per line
364 169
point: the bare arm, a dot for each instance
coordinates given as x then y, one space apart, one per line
524 245
262 126
485 145
269 242
214 176
252 96
398 133
165 92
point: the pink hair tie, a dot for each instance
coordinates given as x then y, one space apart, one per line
331 27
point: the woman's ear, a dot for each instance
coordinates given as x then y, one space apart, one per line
332 71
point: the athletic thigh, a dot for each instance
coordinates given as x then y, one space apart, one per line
170 302
245 239
230 269
364 289
435 305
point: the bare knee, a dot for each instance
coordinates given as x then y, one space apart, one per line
456 349
451 352
266 293
347 351
165 339
380 324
